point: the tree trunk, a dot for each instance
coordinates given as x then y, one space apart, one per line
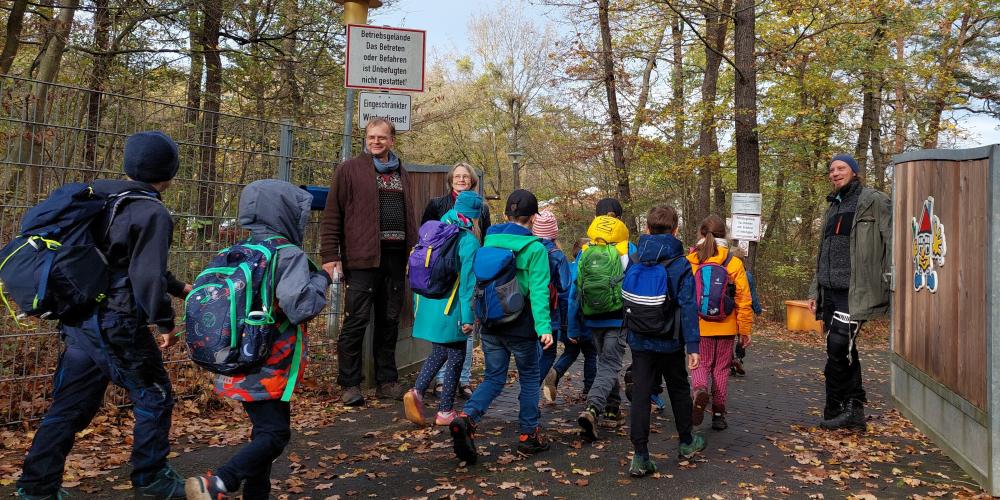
900 113
197 71
98 79
640 108
745 103
13 38
677 85
212 12
716 23
617 139
289 62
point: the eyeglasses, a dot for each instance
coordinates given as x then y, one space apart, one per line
462 176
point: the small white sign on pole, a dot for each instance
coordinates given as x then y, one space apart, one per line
747 203
392 107
745 227
381 58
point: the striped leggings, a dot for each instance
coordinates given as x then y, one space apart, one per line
716 357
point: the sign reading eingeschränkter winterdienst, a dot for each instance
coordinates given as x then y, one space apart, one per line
392 107
382 58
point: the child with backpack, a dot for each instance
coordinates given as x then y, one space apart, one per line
282 298
512 304
446 321
662 323
599 274
124 232
724 310
740 352
547 228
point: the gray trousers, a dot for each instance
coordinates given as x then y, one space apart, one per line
606 391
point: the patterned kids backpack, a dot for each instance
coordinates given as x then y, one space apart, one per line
714 293
433 264
599 279
230 313
648 306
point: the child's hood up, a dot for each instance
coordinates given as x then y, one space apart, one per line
271 207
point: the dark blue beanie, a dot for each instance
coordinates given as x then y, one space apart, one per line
846 158
151 156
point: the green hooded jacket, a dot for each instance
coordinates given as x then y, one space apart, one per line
532 269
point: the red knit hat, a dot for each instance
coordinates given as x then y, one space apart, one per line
545 225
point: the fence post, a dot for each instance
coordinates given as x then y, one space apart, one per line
285 151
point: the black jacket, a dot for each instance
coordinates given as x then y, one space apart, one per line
437 207
137 245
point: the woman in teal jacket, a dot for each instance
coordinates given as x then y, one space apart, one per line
447 322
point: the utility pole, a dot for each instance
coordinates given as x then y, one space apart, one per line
355 12
515 160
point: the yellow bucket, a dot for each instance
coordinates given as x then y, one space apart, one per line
798 317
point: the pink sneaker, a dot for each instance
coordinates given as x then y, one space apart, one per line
445 417
413 407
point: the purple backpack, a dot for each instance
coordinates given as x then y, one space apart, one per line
714 293
433 264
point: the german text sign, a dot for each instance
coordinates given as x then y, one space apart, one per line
385 58
746 227
392 107
747 203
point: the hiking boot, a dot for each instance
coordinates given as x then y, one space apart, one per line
207 487
549 385
832 409
463 433
588 422
445 417
390 390
719 421
851 417
58 495
465 392
612 418
529 444
352 397
686 451
641 466
166 484
413 407
658 403
700 402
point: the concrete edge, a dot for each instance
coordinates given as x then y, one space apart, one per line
944 154
993 321
962 404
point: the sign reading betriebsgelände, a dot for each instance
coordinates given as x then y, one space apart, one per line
392 107
385 58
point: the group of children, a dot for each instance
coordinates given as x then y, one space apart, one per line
677 311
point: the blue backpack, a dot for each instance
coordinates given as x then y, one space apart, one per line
433 264
230 313
714 292
498 298
53 269
648 305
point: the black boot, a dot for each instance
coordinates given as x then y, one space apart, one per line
852 416
832 409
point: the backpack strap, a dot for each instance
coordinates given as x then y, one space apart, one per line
729 257
293 370
451 300
119 199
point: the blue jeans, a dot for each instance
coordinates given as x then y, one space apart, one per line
570 352
497 350
466 377
546 360
251 465
109 347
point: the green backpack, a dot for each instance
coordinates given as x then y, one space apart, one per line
599 279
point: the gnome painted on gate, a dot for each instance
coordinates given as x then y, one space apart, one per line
929 247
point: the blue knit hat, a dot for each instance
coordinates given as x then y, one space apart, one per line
151 156
846 158
469 204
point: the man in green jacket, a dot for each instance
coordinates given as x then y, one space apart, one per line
850 286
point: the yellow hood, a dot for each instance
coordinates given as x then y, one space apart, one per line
609 230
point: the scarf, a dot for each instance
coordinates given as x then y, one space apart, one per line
388 166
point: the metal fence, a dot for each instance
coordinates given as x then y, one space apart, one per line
51 134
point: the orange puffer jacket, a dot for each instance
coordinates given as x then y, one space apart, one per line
741 320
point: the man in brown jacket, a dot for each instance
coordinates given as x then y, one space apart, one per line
366 234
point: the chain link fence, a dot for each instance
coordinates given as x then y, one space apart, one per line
52 134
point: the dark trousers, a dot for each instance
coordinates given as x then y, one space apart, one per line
843 367
108 347
573 350
252 464
647 369
379 289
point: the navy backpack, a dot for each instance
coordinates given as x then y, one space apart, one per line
648 306
498 298
53 269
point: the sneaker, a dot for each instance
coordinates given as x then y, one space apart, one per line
700 402
465 392
686 451
719 421
58 495
463 433
529 444
588 422
166 484
641 466
390 390
352 397
445 417
207 487
658 403
612 418
549 385
413 407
